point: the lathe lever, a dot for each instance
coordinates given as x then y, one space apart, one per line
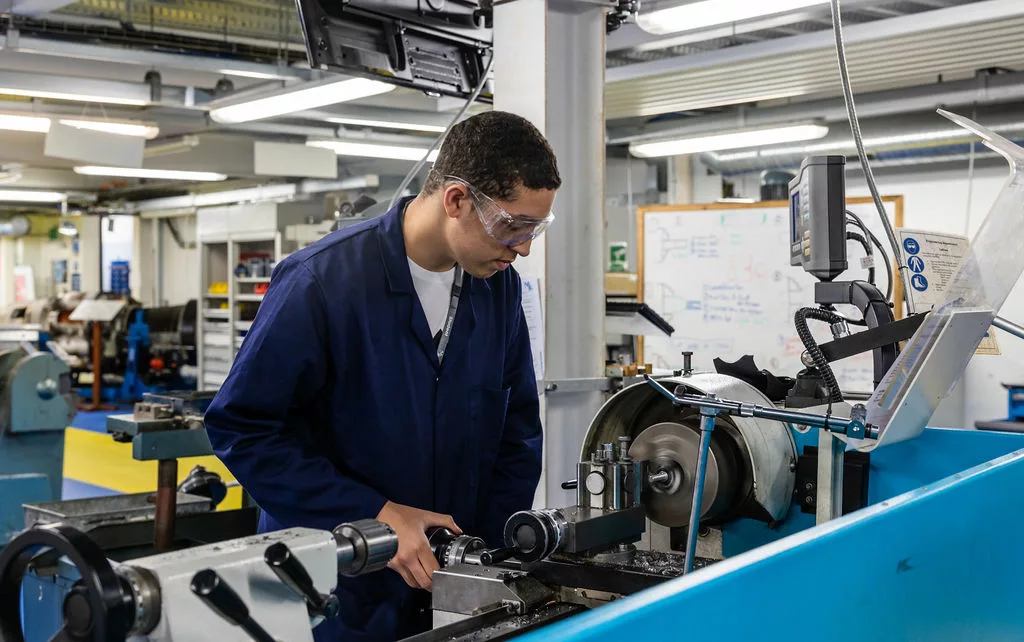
223 600
497 555
290 570
570 485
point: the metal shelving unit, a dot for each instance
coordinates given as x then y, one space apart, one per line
227 238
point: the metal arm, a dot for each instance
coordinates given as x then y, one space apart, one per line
853 427
1009 326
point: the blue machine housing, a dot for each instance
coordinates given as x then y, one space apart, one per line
35 408
935 556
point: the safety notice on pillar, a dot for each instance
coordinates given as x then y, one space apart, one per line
533 312
932 260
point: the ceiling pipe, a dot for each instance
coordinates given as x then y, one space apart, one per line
17 226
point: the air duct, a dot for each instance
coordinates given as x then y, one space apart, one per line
16 226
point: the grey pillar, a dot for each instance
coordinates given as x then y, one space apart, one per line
549 67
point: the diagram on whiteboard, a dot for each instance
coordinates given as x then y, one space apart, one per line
723 280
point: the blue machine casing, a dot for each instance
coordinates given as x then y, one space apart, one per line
936 557
35 408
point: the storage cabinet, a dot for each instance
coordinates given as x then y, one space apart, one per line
238 246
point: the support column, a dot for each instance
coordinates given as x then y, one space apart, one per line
549 68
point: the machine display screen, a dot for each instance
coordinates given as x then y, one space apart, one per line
794 214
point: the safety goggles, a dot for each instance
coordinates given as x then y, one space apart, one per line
504 227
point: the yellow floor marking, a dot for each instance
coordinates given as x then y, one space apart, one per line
95 458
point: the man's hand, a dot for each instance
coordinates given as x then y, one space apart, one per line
414 561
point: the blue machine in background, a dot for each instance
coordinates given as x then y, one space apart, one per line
36 405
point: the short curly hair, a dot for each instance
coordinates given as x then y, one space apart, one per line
496 152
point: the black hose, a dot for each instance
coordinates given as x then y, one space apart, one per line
853 236
820 362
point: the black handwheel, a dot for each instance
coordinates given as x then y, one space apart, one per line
97 609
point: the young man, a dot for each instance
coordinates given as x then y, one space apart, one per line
389 375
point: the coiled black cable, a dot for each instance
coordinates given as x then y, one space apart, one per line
820 362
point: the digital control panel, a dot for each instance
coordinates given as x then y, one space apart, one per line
817 217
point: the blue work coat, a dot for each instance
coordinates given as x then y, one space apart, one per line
336 403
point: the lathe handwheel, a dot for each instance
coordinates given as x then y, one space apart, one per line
96 609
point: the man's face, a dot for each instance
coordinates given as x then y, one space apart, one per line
475 249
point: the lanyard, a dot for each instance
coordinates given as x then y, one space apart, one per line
449 321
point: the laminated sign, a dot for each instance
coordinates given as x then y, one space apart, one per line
932 259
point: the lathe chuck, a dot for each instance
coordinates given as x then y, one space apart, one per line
672 447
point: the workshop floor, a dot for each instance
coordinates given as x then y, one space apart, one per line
96 466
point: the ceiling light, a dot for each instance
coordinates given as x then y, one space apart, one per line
258 75
386 124
31 196
709 13
138 172
698 143
137 130
301 98
80 98
373 150
35 124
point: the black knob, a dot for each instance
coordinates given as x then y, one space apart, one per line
290 570
78 617
570 485
223 600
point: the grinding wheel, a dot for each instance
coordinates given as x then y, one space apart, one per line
673 447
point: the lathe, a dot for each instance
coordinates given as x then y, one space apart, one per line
703 507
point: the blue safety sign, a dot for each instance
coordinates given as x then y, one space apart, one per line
916 264
919 282
911 246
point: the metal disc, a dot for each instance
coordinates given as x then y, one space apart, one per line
673 446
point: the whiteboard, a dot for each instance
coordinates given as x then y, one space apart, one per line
720 274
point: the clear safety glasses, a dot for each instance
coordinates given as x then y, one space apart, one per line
505 228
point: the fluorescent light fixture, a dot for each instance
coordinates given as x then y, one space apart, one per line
951 135
698 143
81 98
41 125
31 196
137 172
34 124
300 98
137 130
374 150
244 73
386 124
710 13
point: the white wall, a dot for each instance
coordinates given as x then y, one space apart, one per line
180 272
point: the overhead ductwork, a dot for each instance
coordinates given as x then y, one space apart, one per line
889 53
16 226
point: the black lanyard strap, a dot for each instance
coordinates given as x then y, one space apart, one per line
449 321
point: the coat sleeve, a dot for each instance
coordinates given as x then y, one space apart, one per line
518 466
282 365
